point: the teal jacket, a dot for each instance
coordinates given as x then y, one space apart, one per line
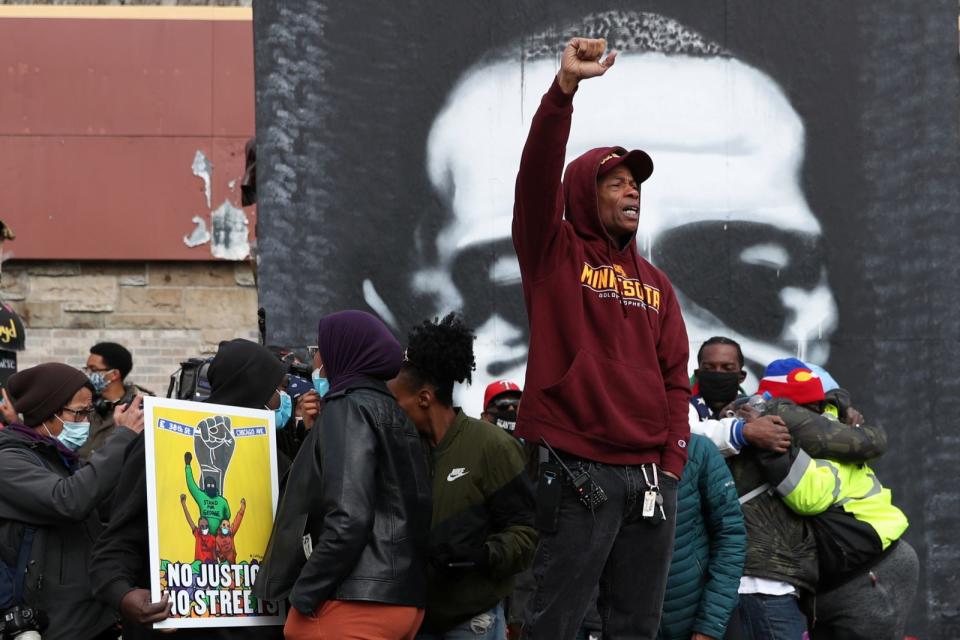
709 548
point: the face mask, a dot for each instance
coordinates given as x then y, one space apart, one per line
719 387
73 434
96 379
225 530
320 384
205 530
506 421
285 410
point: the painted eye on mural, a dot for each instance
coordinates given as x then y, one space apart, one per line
767 254
740 272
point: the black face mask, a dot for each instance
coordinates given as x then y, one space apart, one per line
719 387
506 420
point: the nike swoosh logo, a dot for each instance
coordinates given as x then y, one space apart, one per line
456 473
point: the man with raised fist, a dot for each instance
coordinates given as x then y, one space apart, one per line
606 384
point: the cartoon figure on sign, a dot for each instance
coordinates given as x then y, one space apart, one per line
213 506
206 542
226 550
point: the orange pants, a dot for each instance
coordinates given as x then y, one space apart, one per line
354 620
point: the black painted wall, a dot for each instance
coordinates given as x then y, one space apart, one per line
347 94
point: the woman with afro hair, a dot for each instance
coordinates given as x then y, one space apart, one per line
482 532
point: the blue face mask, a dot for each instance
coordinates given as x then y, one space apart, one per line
320 384
73 434
285 410
98 381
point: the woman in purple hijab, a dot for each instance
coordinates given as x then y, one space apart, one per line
352 345
348 545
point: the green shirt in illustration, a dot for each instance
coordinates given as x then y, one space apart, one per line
213 509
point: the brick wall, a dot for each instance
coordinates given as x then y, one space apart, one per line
163 312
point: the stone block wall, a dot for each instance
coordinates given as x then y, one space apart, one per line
163 312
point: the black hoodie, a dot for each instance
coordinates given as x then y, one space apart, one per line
242 374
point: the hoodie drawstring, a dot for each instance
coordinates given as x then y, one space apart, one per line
636 265
616 283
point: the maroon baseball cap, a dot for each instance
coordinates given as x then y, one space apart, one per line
637 161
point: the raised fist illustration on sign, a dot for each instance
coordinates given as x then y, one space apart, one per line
214 445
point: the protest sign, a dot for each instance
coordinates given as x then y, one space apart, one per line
212 497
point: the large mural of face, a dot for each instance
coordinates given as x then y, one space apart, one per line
723 214
805 171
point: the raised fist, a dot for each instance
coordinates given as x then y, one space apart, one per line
213 443
215 430
187 457
183 497
582 58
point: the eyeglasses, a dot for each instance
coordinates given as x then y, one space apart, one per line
78 414
92 370
312 350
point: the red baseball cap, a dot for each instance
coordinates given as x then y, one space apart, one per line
498 388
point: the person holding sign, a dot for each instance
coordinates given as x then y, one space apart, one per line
348 543
242 374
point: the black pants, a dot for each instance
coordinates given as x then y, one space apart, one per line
612 545
875 604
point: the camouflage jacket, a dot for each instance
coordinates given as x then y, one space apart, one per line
823 437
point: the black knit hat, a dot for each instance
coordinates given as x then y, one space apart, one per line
39 392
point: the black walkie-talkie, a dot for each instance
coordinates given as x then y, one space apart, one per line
589 492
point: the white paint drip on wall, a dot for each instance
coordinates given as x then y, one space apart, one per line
230 233
199 235
203 169
813 312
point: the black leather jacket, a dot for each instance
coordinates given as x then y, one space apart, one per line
360 489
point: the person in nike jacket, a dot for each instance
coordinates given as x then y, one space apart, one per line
606 382
482 533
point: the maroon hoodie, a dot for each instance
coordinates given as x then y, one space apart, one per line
607 369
